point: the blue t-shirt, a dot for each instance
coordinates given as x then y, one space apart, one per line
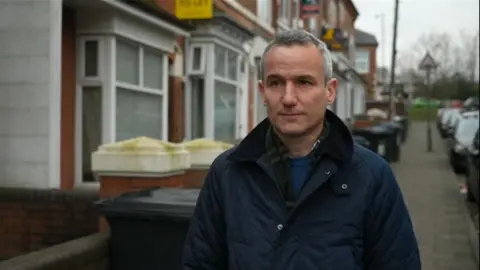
299 169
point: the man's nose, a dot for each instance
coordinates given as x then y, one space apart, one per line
290 96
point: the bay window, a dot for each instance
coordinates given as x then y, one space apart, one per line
121 94
140 87
214 94
225 93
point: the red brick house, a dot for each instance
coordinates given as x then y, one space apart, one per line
81 73
366 59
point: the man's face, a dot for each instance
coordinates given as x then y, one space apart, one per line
294 88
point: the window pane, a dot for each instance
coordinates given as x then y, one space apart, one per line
138 114
225 111
332 12
127 63
91 58
197 116
220 56
232 65
286 9
361 66
91 127
264 10
153 73
197 58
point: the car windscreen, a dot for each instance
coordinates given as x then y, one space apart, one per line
467 127
452 117
446 115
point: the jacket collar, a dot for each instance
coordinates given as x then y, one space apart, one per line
338 144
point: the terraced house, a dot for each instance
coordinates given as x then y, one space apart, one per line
78 74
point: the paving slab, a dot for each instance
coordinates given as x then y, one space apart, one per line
438 210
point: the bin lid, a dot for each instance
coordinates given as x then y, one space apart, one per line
394 125
159 202
381 130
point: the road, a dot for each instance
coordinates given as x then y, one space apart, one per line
444 229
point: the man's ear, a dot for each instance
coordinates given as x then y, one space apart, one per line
261 90
331 90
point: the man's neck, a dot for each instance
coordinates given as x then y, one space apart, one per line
301 146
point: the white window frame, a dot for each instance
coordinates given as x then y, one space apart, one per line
190 69
264 11
360 58
209 92
106 80
86 81
285 13
144 89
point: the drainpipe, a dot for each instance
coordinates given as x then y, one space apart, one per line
351 61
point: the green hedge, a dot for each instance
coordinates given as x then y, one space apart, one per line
420 113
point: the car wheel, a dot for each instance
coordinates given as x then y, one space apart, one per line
458 170
470 196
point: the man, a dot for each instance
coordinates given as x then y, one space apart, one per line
297 193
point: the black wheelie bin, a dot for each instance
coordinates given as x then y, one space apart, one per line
377 137
403 120
395 141
148 227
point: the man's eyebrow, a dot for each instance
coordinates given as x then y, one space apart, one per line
274 76
309 77
298 77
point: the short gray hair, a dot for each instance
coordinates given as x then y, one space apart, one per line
302 38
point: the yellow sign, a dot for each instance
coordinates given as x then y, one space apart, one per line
329 35
194 9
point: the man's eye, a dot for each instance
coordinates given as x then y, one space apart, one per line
304 82
273 83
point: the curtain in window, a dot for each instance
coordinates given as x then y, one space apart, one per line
138 114
225 111
220 61
153 70
127 63
197 112
91 127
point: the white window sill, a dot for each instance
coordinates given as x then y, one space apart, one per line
283 24
95 186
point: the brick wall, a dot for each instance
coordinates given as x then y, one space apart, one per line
370 76
33 219
176 108
86 253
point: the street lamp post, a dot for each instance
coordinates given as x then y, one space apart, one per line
428 64
381 16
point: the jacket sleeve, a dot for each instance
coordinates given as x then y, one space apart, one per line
205 247
390 241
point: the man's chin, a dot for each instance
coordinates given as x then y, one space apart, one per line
291 131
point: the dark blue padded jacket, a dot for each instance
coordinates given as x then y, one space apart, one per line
349 216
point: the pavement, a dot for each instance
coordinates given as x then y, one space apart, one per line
444 228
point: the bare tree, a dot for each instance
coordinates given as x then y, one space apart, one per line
457 57
455 54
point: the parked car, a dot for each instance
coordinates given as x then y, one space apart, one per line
472 174
448 120
462 139
471 104
443 107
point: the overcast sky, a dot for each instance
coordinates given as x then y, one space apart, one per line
415 18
